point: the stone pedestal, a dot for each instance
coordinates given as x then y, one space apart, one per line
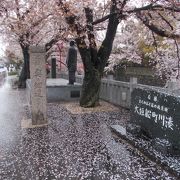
38 85
58 90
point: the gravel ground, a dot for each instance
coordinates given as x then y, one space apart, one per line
73 146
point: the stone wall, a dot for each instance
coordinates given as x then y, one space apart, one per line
119 92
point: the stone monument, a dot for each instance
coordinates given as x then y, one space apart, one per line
38 85
157 114
71 62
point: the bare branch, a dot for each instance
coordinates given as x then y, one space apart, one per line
53 41
155 42
152 7
39 21
121 16
103 18
167 22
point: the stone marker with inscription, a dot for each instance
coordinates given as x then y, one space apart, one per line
158 115
38 85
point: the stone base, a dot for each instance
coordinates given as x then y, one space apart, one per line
27 123
119 129
59 90
157 151
75 108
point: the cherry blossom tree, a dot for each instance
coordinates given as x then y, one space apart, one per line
137 44
25 22
13 55
79 15
2 8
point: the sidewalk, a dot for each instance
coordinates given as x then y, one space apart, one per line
73 146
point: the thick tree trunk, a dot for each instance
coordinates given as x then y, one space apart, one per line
25 72
94 60
90 89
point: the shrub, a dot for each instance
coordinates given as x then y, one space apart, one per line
12 73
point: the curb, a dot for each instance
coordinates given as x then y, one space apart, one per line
146 149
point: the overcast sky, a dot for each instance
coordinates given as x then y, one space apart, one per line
3 46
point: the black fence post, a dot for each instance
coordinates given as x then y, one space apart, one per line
53 68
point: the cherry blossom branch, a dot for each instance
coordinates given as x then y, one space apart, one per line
54 40
153 7
3 9
103 18
75 26
155 42
167 22
123 5
155 29
150 7
121 16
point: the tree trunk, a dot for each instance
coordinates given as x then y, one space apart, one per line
94 63
90 89
25 72
94 60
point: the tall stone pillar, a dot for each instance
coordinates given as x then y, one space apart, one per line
38 85
173 86
133 83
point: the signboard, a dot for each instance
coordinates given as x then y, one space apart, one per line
158 114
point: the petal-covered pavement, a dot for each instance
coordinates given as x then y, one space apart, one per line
72 146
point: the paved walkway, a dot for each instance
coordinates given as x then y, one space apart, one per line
71 147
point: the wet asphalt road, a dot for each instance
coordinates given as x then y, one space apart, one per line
71 147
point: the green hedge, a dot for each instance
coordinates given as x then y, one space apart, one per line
12 73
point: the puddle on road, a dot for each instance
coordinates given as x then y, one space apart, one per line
5 86
8 116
